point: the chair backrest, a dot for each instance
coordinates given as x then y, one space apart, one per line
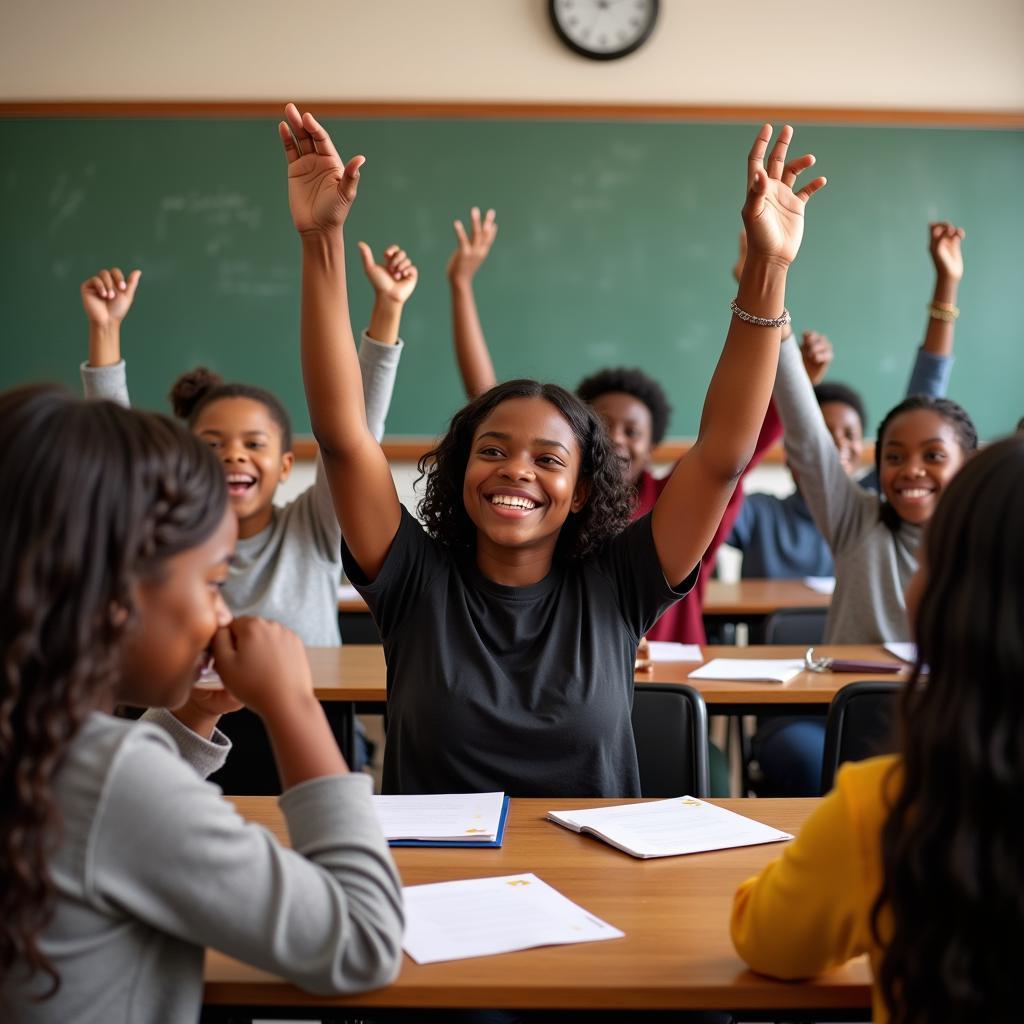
796 626
670 725
861 724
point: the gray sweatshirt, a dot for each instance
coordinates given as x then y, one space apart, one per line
873 564
153 865
290 571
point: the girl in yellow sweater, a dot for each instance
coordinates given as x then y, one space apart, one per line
917 860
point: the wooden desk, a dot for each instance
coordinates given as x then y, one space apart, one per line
357 673
675 912
742 600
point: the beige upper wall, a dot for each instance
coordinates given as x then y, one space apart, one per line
931 54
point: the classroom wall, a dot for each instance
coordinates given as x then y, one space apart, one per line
936 54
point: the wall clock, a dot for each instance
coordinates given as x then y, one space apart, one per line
603 29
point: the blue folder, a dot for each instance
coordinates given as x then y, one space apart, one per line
497 841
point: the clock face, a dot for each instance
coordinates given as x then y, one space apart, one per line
603 29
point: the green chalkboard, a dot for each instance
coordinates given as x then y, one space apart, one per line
615 244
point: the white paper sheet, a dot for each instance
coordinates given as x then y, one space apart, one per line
669 828
765 670
440 816
821 584
904 651
665 650
484 916
346 592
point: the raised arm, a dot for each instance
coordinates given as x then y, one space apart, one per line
474 360
321 191
934 361
690 508
107 297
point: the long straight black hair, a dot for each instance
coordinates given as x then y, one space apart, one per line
95 498
950 914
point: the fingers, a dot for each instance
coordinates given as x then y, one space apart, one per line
811 187
796 167
755 161
460 234
777 161
132 283
291 150
367 254
223 644
474 217
398 262
490 226
349 183
318 134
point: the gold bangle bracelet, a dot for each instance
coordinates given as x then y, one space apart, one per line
943 311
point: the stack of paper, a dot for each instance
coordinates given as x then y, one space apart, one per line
903 651
750 670
668 828
821 584
443 819
484 916
666 650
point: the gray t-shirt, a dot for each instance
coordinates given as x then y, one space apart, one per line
290 570
873 564
153 865
528 690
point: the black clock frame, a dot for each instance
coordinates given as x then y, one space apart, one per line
614 54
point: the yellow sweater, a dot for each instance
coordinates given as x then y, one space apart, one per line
810 909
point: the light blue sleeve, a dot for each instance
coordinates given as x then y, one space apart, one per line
930 375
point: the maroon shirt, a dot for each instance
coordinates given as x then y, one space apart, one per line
684 622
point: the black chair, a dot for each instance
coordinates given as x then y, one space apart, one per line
796 626
861 721
670 726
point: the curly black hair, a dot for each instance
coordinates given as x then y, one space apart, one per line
609 503
956 415
96 498
833 391
193 391
633 382
950 913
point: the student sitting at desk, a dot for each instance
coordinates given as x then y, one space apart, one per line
510 622
632 405
118 862
916 859
777 536
287 561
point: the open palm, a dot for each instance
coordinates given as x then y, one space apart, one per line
773 213
321 187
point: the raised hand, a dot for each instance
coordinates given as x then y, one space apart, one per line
108 295
773 214
395 277
944 245
816 352
321 187
472 249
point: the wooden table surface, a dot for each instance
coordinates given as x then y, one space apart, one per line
743 598
675 912
357 673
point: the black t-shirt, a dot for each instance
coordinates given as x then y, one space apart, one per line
528 690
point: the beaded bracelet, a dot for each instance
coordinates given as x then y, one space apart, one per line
943 311
760 321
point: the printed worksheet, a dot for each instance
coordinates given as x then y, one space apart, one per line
440 816
485 916
749 670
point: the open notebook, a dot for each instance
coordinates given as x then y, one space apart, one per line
443 819
668 828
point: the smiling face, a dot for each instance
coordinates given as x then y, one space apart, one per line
247 441
847 432
178 612
630 430
522 480
920 456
